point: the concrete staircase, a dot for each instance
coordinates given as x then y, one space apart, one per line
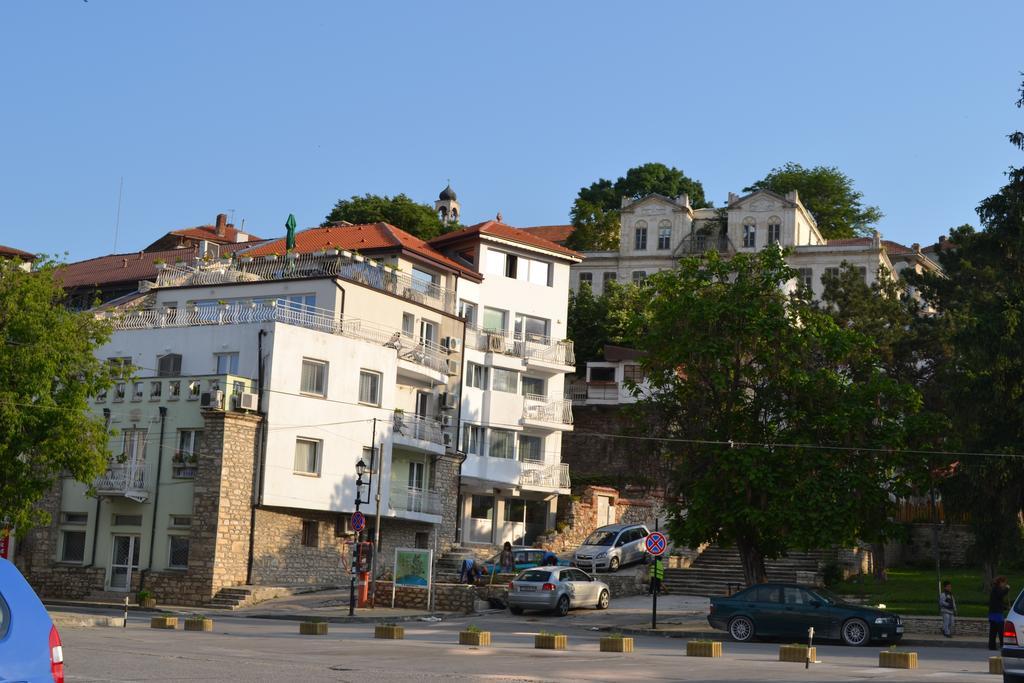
450 564
717 567
235 597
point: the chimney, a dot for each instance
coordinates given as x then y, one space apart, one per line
793 196
733 197
876 239
222 223
916 247
683 200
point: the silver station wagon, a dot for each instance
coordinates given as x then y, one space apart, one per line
556 589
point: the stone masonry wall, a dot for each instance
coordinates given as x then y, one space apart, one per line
280 559
955 542
577 516
448 597
618 463
446 481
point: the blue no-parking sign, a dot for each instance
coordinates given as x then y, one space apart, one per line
358 521
656 543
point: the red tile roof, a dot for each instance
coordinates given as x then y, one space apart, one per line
12 252
555 233
890 246
506 232
139 265
368 239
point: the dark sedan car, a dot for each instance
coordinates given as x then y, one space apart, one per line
787 610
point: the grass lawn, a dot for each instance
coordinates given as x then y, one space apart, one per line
916 591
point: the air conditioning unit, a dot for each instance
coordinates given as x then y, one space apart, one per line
495 343
247 401
453 366
212 399
452 344
449 401
447 438
447 421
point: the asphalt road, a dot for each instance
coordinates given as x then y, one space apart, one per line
247 649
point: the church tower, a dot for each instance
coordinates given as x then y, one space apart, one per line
447 206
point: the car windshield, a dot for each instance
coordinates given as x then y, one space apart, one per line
534 575
600 538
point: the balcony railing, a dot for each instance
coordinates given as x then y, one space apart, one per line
417 427
547 476
539 408
340 264
699 244
408 499
595 391
126 479
425 353
183 464
525 346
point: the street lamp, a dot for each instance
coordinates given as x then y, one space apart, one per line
360 472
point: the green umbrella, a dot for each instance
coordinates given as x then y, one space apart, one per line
289 241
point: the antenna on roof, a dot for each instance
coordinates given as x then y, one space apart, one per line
117 223
232 218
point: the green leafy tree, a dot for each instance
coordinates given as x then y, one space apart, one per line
587 324
595 213
47 373
731 359
980 306
828 194
400 211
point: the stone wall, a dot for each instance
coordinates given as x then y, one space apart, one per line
618 463
955 543
446 481
280 558
577 516
448 597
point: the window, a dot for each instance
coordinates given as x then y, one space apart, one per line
664 235
169 365
533 386
502 444
227 363
121 367
155 390
765 594
495 320
774 230
806 278
531 448
482 507
369 387
749 233
539 272
587 277
515 511
504 380
511 265
194 387
467 310
183 464
119 390
74 517
476 376
474 440
601 374
307 457
310 533
495 262
177 552
639 275
632 373
830 273
137 391
425 281
863 273
640 237
127 520
174 390
422 539
532 329
408 324
300 303
314 377
72 546
416 471
608 277
341 527
428 333
101 396
133 443
180 522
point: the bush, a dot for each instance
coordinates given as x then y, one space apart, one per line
831 574
143 595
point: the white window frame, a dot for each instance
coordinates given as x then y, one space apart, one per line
749 234
230 358
474 437
476 376
506 434
324 368
774 230
468 310
378 389
664 237
318 456
502 385
640 238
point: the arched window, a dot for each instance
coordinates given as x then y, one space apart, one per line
664 234
640 236
749 232
774 230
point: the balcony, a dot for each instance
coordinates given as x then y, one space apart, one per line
127 479
415 353
602 393
697 244
331 263
537 350
407 499
418 432
538 411
539 475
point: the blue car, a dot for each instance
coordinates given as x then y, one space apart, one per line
30 647
524 557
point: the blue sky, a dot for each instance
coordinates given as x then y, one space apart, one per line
270 108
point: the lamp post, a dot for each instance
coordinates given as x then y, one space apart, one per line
360 471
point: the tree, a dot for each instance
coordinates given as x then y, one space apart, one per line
400 211
979 301
773 445
587 324
828 194
595 213
47 373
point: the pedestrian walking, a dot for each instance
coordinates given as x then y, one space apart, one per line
997 606
507 561
947 608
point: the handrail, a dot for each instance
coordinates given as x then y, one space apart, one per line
548 476
539 408
409 499
119 478
418 427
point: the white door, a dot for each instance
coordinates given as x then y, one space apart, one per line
124 563
481 518
416 470
605 511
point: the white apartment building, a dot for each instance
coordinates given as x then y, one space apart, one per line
257 384
513 409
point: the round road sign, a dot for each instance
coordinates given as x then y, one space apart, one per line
358 521
656 543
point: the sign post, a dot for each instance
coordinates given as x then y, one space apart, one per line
412 570
656 544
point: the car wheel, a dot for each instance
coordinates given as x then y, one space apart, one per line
563 606
855 632
516 610
741 629
613 564
603 600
